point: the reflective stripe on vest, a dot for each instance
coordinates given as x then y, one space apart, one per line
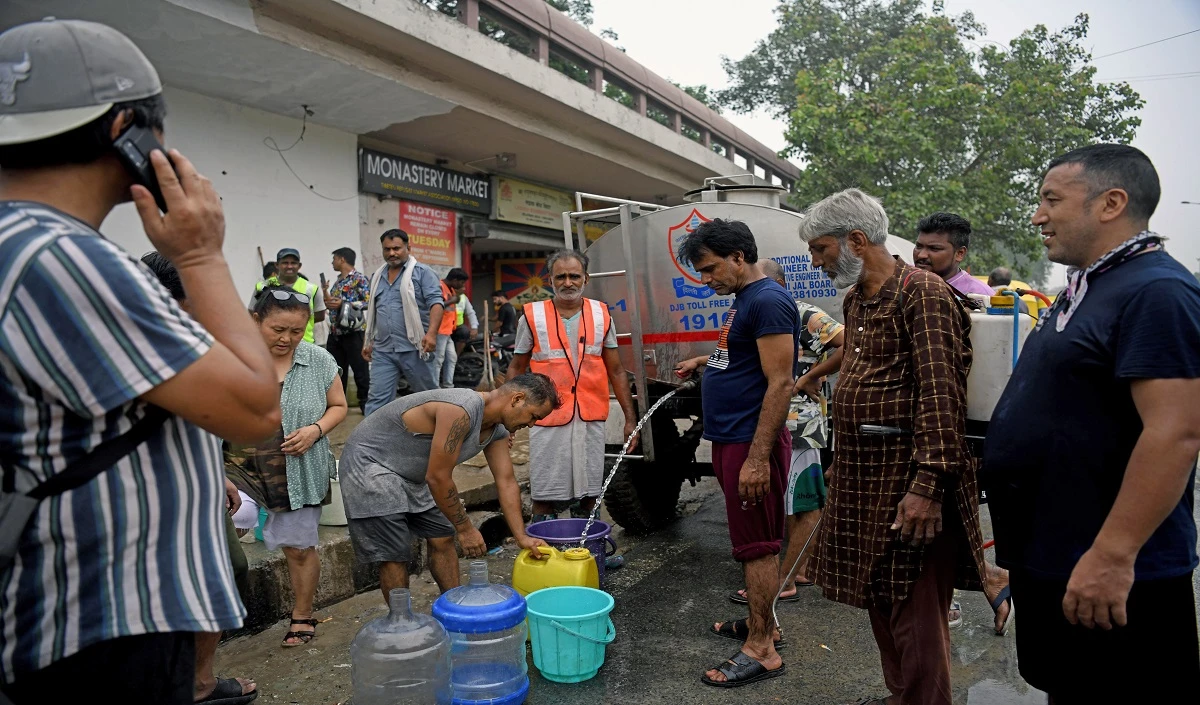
308 289
447 325
583 389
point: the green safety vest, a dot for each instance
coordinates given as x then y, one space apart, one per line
301 286
461 310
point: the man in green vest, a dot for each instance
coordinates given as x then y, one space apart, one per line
288 262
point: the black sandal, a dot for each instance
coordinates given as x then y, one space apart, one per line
741 670
304 637
228 692
737 598
739 630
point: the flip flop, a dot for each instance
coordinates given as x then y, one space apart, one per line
1004 596
741 670
738 630
737 598
228 692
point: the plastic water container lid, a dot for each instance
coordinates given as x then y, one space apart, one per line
479 606
577 554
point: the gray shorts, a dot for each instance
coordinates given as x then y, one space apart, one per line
388 538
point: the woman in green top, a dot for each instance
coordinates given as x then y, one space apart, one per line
288 474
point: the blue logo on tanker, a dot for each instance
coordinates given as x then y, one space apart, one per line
676 234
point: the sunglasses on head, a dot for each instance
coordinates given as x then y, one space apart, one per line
281 295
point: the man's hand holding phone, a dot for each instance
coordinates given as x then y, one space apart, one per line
193 229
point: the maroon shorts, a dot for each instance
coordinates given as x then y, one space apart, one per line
757 530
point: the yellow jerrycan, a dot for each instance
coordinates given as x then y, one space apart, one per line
574 566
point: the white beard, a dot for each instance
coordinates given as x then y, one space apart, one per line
569 295
849 269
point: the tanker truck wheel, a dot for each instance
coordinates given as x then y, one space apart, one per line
643 496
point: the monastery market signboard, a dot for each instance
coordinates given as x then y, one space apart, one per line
398 177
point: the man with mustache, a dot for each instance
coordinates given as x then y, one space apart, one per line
1093 509
942 242
901 523
571 339
404 312
747 385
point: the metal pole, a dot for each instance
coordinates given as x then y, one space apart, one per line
635 328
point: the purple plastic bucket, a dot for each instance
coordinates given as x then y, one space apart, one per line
565 533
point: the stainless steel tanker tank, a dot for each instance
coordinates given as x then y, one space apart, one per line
664 314
658 303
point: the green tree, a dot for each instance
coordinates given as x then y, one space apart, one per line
581 11
701 93
907 106
578 10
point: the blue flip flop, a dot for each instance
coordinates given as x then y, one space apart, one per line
1004 596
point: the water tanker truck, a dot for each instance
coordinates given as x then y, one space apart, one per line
664 314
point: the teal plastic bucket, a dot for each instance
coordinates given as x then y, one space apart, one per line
569 627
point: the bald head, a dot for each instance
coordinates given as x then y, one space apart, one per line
772 270
1000 276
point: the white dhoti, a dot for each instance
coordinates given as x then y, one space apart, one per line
566 462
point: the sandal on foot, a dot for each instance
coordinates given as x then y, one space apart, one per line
741 670
228 692
738 597
739 630
304 637
955 621
1004 596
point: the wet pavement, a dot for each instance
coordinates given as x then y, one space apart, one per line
673 587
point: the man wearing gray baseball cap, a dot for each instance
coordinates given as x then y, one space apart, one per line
113 566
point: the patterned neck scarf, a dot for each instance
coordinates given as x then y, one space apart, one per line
1077 279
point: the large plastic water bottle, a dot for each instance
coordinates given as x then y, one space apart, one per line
487 630
402 658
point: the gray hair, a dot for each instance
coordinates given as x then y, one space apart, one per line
843 212
566 254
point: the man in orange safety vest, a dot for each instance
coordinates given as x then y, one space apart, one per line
571 340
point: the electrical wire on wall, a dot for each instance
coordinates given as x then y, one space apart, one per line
272 145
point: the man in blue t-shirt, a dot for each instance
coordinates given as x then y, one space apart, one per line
747 385
1093 511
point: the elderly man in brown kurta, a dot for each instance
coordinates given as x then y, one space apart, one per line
901 525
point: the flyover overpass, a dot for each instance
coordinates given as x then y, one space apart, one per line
484 88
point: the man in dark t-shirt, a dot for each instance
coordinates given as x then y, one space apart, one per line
747 385
1093 512
506 315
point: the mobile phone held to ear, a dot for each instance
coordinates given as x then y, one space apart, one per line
133 149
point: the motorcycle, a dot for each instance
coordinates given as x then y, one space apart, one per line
469 371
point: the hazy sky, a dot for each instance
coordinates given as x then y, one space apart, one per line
685 39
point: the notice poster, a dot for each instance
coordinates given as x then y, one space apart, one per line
432 233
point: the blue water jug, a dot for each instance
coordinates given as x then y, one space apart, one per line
486 624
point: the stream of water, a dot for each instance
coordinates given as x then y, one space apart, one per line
621 457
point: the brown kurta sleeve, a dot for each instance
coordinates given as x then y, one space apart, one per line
935 321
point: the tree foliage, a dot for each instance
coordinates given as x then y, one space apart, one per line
701 93
578 10
906 105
